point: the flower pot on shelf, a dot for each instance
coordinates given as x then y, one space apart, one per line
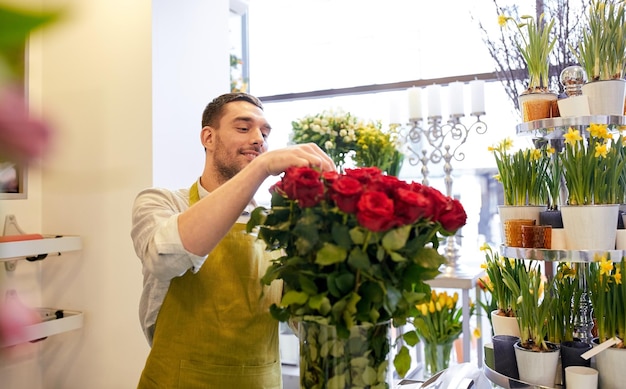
606 97
504 355
536 106
588 227
571 352
504 325
611 365
328 360
537 367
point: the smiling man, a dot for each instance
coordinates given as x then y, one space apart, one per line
203 308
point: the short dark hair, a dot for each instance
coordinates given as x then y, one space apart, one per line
214 110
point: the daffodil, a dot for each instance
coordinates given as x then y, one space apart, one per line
593 168
535 42
606 266
521 173
565 291
608 293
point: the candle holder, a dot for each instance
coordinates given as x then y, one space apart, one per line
438 142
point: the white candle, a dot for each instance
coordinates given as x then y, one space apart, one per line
477 88
434 100
415 103
455 95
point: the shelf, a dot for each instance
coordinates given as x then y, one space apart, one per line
556 127
71 320
508 383
33 248
583 256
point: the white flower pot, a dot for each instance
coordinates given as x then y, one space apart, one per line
606 97
611 366
590 227
508 212
537 367
504 325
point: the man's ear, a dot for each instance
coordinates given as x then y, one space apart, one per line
207 136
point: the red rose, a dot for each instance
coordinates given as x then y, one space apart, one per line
431 200
345 192
364 174
375 211
453 216
387 184
303 184
409 206
330 177
277 188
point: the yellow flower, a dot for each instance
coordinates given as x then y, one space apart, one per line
507 144
572 136
606 266
618 276
598 130
601 150
476 333
502 20
485 247
550 150
431 307
535 154
497 177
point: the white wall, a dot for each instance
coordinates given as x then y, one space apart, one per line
122 82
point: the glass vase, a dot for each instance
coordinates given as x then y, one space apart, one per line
358 360
436 357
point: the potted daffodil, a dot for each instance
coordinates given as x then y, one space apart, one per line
535 42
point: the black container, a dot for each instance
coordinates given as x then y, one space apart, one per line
504 354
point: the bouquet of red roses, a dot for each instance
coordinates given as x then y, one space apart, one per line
357 247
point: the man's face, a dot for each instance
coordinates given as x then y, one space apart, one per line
241 137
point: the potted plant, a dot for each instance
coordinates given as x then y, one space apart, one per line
534 308
351 141
354 251
523 174
503 316
552 215
535 42
592 169
608 293
601 51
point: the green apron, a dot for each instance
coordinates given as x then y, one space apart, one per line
214 329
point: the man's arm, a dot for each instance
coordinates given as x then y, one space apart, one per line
203 225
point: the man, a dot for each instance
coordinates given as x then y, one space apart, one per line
203 308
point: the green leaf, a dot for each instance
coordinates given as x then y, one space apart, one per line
402 361
320 303
330 254
294 297
358 234
396 239
16 24
344 282
411 338
428 258
358 259
341 235
396 257
257 217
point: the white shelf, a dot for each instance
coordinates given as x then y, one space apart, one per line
71 320
32 248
